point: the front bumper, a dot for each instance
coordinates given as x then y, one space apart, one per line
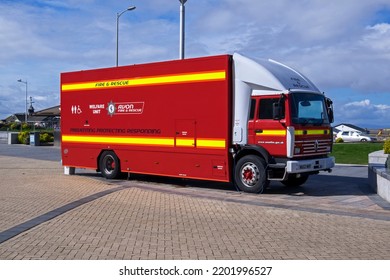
312 165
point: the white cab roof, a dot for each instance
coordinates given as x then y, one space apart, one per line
270 77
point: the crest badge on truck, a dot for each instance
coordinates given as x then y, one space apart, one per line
111 108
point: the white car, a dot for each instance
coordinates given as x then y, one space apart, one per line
353 136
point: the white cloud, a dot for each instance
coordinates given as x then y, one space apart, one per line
364 112
383 107
377 38
337 44
364 103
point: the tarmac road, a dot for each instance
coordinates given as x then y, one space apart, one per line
47 215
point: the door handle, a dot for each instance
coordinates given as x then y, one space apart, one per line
258 131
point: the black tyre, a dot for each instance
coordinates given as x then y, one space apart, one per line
109 165
294 181
250 174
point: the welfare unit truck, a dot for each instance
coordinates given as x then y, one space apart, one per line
222 118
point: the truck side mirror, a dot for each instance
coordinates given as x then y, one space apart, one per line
276 111
330 115
329 105
278 108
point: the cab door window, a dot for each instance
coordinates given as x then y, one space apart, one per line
266 109
252 109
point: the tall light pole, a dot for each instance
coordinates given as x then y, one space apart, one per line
182 29
117 30
25 113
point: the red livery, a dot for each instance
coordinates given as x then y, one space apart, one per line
221 118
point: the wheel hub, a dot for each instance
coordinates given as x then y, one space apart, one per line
250 174
110 165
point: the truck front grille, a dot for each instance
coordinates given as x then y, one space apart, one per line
311 147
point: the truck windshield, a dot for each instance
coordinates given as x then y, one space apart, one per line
309 108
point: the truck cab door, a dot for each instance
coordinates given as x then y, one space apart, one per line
268 132
251 122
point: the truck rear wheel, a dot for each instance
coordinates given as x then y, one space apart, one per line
109 165
250 174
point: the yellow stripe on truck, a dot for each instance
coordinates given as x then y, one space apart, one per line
153 141
271 132
313 132
146 81
211 143
168 142
185 142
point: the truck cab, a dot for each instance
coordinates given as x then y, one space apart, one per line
285 123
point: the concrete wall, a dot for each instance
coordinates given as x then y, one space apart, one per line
378 175
13 138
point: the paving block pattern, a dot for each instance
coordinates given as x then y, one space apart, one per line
150 220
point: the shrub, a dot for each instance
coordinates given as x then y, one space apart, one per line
25 126
46 137
339 140
4 126
386 146
24 137
15 126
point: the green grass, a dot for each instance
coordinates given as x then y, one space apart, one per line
354 153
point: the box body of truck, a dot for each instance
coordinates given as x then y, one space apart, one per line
169 118
222 118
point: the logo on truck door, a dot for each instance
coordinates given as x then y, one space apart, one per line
125 108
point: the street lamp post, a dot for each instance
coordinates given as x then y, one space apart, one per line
117 30
182 29
25 113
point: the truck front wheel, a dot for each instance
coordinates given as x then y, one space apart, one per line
250 174
109 165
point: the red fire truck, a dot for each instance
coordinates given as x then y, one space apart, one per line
221 118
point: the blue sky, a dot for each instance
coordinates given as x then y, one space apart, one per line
343 46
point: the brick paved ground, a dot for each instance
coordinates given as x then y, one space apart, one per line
145 219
